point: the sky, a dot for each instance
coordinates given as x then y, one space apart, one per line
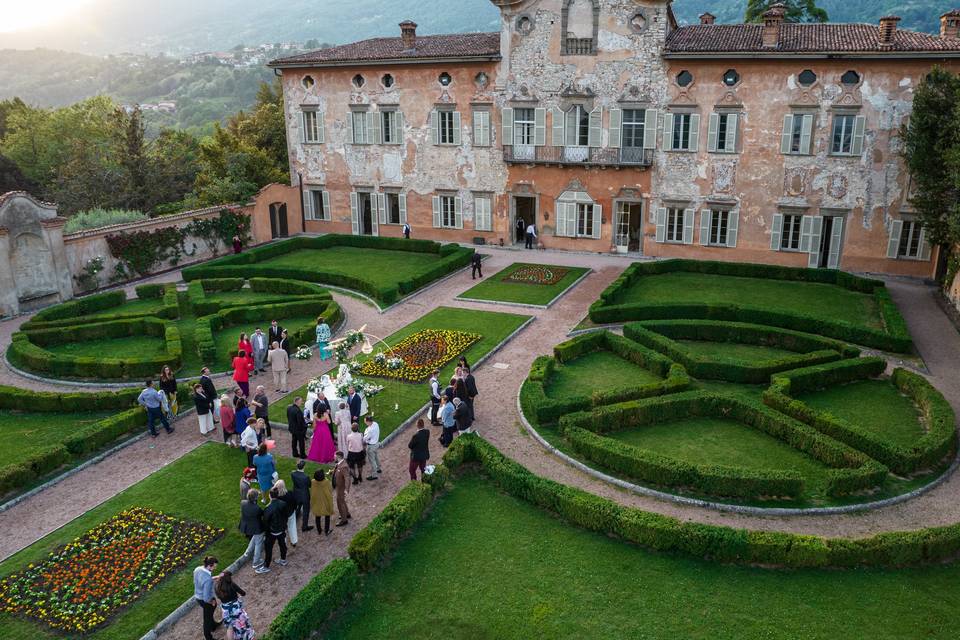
16 15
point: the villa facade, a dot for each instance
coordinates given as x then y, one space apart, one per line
611 128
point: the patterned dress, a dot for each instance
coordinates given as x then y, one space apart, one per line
236 619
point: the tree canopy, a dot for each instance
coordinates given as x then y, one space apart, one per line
797 10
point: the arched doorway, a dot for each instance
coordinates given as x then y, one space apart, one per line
278 220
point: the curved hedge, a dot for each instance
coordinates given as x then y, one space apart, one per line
548 410
937 443
26 349
246 265
895 337
661 336
851 470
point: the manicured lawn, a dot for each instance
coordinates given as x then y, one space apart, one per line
808 298
202 486
516 572
245 297
29 432
494 327
132 346
498 287
735 350
131 306
708 440
875 405
597 371
379 266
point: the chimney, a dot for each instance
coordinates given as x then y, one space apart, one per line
950 24
408 30
888 29
707 18
772 22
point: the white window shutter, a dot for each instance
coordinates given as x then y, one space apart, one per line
733 132
303 126
539 127
325 214
434 127
893 245
373 127
776 232
354 213
688 215
786 139
321 134
836 238
668 132
661 220
859 127
597 220
650 128
556 137
402 201
457 126
694 131
481 128
616 126
458 213
806 226
398 132
816 228
713 132
350 134
806 134
436 212
706 217
507 129
308 204
382 207
595 134
375 202
733 228
925 248
561 219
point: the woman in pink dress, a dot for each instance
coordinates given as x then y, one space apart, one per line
321 446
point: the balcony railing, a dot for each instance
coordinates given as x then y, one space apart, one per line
587 156
579 46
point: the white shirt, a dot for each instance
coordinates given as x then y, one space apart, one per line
371 435
260 342
435 388
248 439
532 231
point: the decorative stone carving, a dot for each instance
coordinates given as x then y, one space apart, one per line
795 181
724 177
837 185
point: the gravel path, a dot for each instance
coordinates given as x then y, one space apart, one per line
936 340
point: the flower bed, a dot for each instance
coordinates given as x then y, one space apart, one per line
421 353
537 274
82 584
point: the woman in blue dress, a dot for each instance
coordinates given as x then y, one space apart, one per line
323 337
266 469
239 421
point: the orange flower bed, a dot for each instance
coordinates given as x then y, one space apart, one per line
421 353
537 274
80 585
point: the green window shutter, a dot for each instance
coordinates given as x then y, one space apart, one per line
650 128
436 212
806 134
694 132
303 126
688 215
354 214
786 139
398 132
434 127
859 127
706 217
925 248
597 220
616 127
733 132
893 245
539 127
321 133
325 214
350 133
776 232
507 126
382 207
806 227
836 238
595 134
556 137
376 201
816 228
661 224
481 128
457 126
403 208
308 204
481 214
668 132
458 213
733 228
374 122
713 132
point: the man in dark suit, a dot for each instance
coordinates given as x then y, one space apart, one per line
301 491
320 406
419 449
275 332
354 402
298 428
476 264
210 391
251 525
471 384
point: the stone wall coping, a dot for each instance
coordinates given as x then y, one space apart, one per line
159 220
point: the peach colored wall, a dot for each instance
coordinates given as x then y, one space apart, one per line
260 211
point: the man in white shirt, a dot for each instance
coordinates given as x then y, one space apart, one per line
371 438
531 235
435 399
260 349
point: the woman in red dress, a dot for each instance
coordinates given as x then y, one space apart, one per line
242 366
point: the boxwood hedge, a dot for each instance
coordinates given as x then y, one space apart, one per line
894 337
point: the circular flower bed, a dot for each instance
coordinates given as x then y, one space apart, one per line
420 354
537 274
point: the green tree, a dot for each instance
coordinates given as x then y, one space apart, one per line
797 10
134 160
931 148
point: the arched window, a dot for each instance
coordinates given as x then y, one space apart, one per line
579 24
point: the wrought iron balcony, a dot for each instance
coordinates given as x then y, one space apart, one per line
584 156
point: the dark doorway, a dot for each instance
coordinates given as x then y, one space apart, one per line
366 215
524 214
826 233
278 220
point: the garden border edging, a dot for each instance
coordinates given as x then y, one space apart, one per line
527 305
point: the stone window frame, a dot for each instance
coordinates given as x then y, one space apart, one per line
358 81
392 79
310 212
564 23
532 21
676 79
440 79
816 79
639 13
850 87
723 78
307 82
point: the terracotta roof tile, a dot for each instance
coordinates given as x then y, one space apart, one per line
460 45
801 38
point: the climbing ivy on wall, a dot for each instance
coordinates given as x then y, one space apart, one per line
219 231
